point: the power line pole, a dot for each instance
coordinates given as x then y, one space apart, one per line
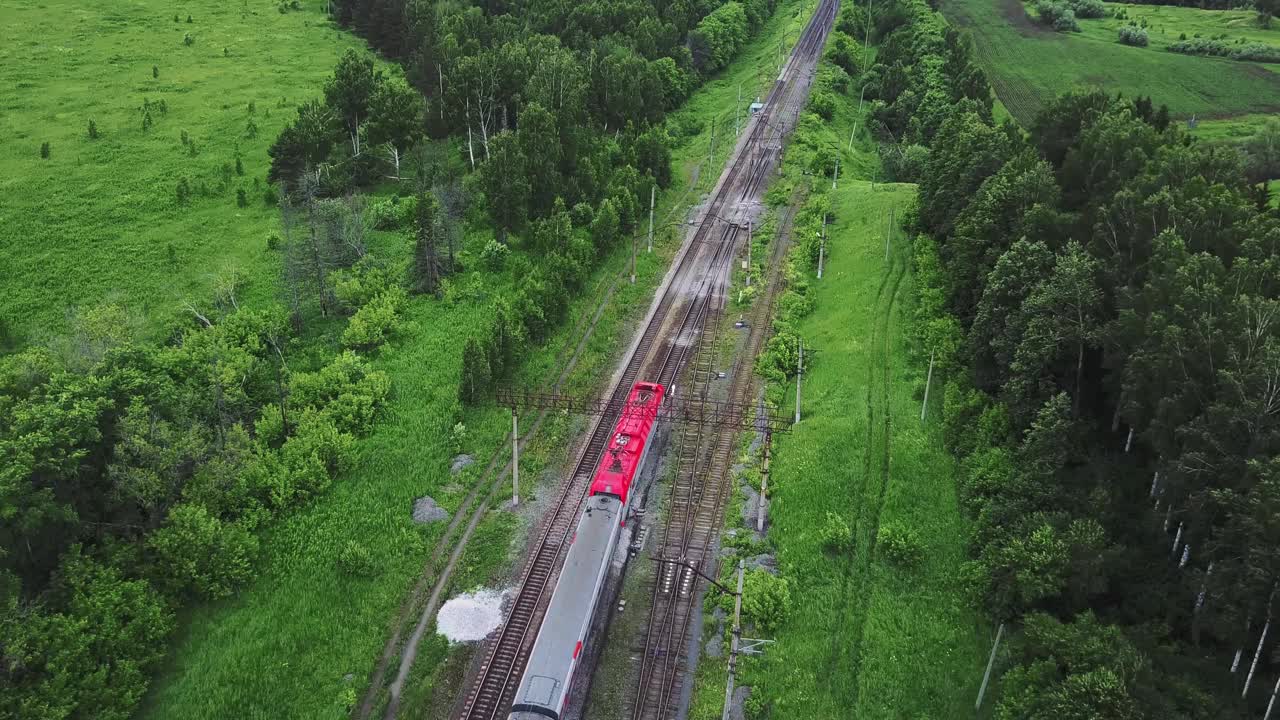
748 253
515 457
634 242
737 113
733 651
836 175
799 372
764 481
653 192
822 246
990 662
928 381
888 234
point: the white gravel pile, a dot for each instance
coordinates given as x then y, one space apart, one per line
471 616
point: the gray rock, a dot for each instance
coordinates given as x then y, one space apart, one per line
765 562
460 463
750 505
425 510
348 677
715 647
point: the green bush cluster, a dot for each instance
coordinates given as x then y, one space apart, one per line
836 536
1133 35
900 545
1249 52
1057 14
393 213
196 444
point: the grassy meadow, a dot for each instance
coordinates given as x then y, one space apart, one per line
99 219
1028 64
1165 23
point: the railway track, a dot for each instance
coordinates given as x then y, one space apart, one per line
701 486
687 305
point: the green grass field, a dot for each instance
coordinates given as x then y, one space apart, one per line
98 218
866 639
1165 23
1028 65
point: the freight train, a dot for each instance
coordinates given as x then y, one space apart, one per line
544 688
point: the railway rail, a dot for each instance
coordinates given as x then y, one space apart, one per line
675 325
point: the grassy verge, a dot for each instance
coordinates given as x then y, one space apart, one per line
1028 65
100 219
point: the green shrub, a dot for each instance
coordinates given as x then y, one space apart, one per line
1249 52
188 39
1088 9
391 213
93 130
198 554
1132 35
44 149
376 322
494 255
836 536
183 191
355 559
346 391
155 72
1057 15
766 600
824 104
241 199
900 545
458 437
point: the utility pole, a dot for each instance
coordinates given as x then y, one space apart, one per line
799 372
515 457
634 241
822 245
764 482
733 651
737 113
928 381
836 175
653 192
748 253
990 662
711 155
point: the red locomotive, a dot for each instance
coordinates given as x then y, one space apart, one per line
544 687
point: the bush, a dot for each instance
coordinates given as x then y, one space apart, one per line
188 39
494 255
199 554
376 322
766 600
93 130
836 536
904 163
355 559
391 213
1132 35
1088 9
1057 15
458 437
183 191
900 545
824 104
1249 52
44 149
241 199
346 392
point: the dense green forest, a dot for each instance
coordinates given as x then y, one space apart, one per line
136 476
1103 293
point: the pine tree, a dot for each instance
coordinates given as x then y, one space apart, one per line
475 371
425 272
